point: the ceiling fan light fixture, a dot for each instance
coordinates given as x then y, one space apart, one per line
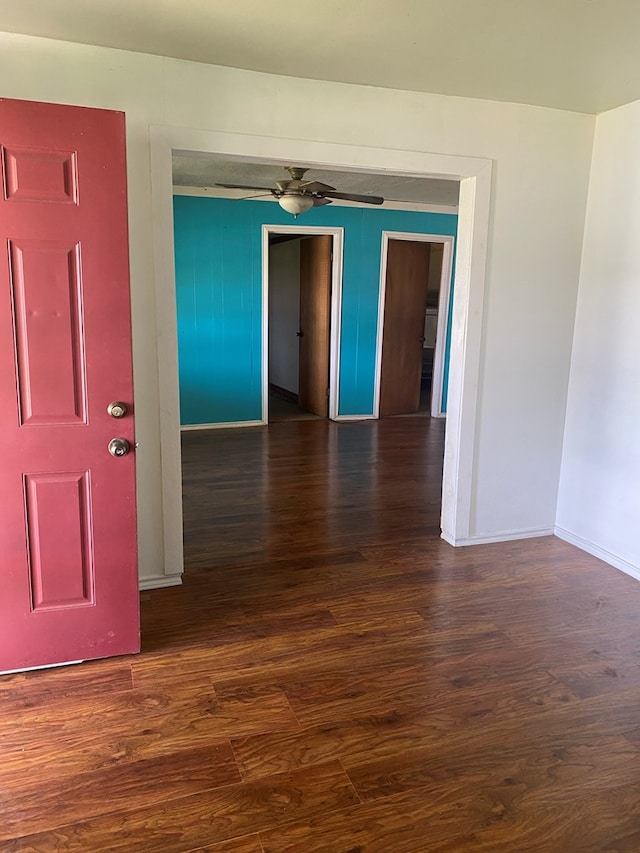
297 195
296 203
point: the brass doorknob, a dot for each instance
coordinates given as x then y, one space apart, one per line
119 447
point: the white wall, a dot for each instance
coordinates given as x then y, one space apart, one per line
284 314
541 161
599 499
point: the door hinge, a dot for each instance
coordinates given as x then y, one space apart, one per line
328 392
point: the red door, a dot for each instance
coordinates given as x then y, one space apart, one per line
68 567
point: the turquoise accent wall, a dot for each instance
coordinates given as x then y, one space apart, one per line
218 245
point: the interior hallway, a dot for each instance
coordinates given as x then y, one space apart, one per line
333 677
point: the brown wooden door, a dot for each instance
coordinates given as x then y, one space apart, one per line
68 533
405 306
315 323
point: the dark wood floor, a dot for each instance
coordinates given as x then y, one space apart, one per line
333 678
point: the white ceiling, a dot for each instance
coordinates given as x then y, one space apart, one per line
193 170
572 54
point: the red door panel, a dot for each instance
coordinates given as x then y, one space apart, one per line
47 305
68 560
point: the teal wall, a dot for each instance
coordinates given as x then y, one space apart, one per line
218 245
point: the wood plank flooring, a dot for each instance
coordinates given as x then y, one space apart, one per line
333 678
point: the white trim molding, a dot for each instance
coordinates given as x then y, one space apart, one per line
459 472
222 425
474 174
44 666
219 192
159 582
345 418
601 553
505 536
447 241
336 308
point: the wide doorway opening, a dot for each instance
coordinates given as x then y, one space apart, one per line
474 178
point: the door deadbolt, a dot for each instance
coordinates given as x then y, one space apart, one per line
117 409
119 447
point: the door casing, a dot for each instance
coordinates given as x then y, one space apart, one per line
336 309
444 297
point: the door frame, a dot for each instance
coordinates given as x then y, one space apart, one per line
335 315
474 209
444 296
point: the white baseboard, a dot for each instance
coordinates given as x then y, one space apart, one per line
505 536
234 424
601 553
159 581
228 425
44 666
355 418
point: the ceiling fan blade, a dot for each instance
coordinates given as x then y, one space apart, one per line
316 187
363 199
242 187
317 201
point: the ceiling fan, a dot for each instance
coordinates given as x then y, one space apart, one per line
297 195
